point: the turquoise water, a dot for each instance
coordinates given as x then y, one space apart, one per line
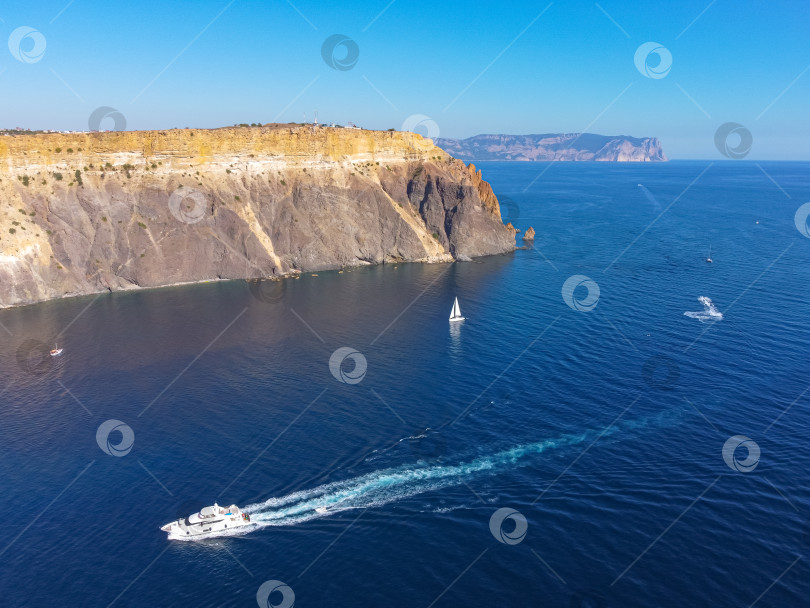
603 429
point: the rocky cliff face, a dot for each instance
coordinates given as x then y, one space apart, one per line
568 146
87 212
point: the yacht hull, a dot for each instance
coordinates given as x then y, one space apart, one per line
208 522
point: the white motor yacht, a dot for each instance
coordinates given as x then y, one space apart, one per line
208 520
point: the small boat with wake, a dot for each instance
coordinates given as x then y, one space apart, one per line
56 351
208 521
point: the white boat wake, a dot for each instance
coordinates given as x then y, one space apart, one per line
392 484
709 313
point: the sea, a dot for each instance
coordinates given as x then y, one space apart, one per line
616 423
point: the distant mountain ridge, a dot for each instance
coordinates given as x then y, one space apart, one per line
555 146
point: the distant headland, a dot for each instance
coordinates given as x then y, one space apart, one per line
551 146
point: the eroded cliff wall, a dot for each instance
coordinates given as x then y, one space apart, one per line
86 212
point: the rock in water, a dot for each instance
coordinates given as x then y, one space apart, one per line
529 234
82 213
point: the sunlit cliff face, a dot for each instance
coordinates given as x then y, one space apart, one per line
87 212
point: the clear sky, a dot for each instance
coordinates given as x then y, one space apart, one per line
472 67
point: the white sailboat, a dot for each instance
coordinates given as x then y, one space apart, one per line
56 351
455 313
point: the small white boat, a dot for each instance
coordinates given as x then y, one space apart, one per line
455 314
56 351
709 257
209 520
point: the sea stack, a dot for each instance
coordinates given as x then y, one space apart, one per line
529 234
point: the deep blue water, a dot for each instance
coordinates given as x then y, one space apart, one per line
603 428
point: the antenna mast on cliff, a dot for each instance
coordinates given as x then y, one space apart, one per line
316 118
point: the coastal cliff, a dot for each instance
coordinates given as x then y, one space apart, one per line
566 146
82 213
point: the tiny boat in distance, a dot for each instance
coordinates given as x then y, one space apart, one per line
455 314
56 351
709 257
209 520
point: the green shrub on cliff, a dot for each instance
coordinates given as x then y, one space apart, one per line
78 175
57 176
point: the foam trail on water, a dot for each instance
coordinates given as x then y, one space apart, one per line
650 197
709 312
388 485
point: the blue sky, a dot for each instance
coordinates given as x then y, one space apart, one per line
490 67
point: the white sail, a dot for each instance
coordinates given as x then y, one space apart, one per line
455 313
